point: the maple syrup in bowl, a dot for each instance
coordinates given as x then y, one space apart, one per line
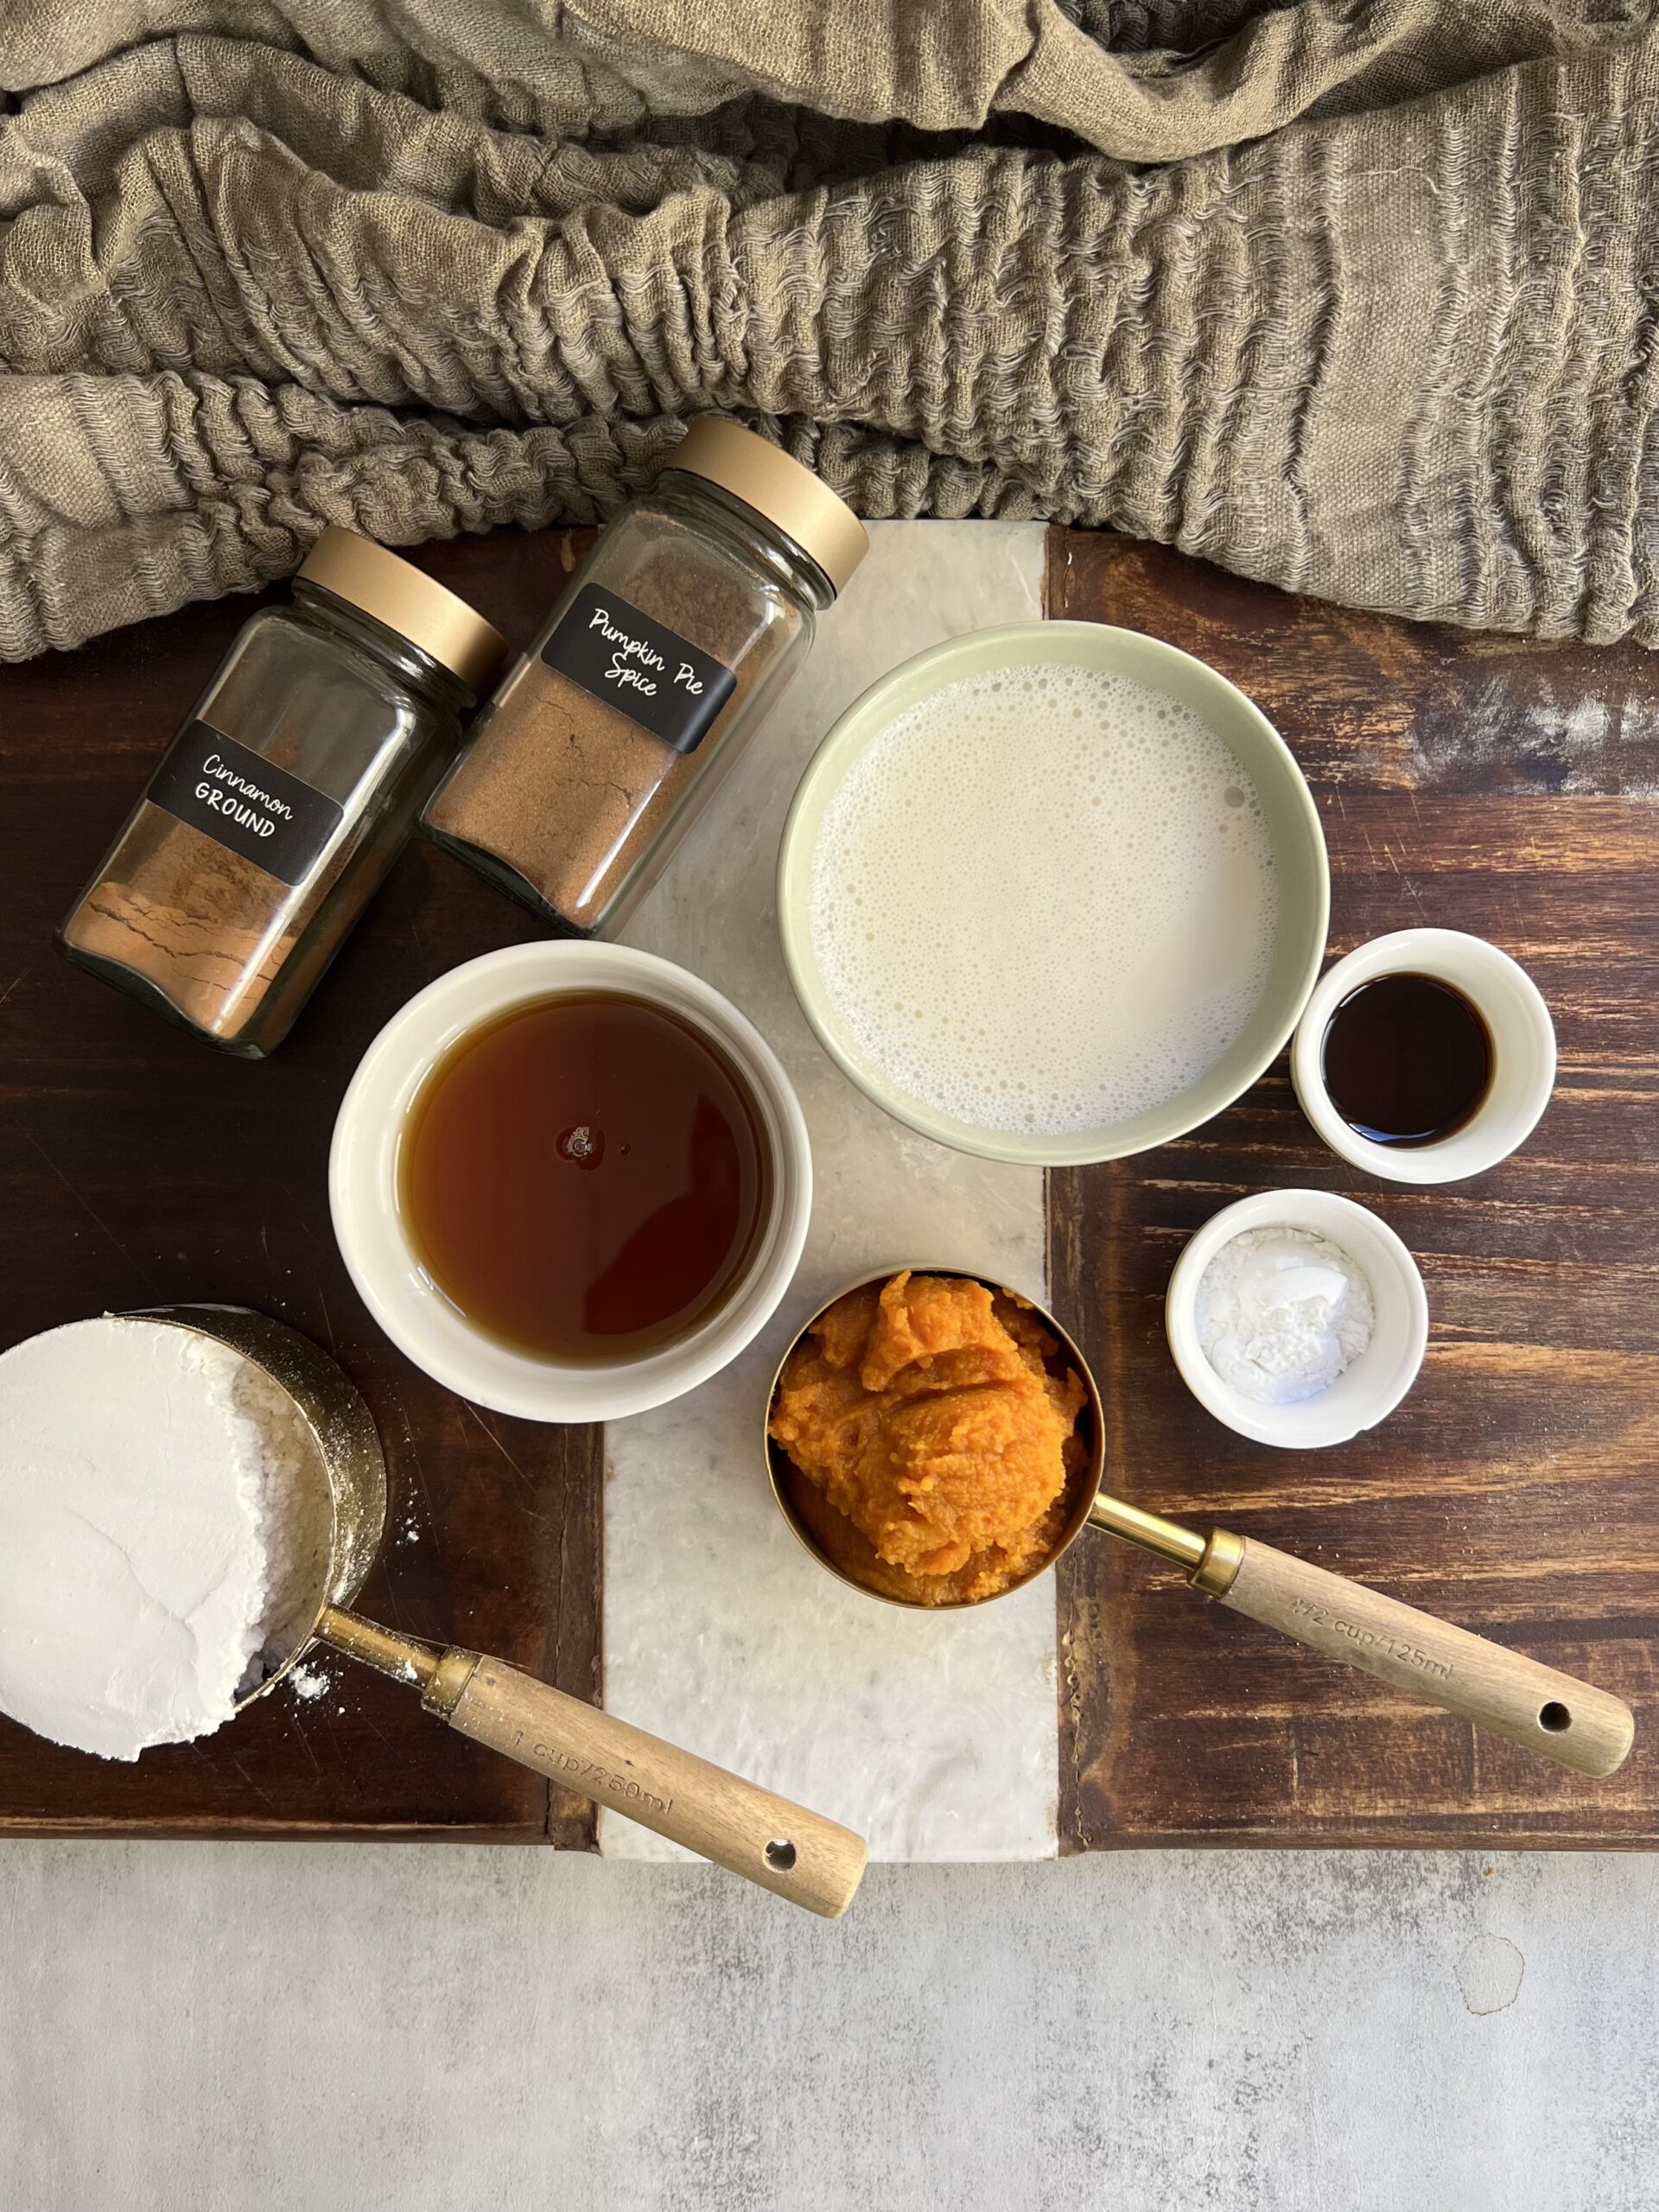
570 1181
584 1177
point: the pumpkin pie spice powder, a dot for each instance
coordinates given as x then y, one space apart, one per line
570 791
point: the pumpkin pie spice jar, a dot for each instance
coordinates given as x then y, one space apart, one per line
670 644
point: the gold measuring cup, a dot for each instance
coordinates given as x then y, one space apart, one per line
798 1854
1568 1721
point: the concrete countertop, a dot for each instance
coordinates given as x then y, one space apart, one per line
234 2028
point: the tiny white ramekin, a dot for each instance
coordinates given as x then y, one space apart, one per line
1523 1054
419 1320
1368 1391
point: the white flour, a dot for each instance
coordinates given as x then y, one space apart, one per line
1281 1313
152 1531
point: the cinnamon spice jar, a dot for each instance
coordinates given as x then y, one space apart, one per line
286 795
670 644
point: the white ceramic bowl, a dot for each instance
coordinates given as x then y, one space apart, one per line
419 1320
1293 826
1523 1053
1367 1390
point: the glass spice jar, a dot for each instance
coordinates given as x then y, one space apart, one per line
286 795
671 643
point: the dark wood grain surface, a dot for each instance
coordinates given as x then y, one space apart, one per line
137 1166
1479 782
1482 784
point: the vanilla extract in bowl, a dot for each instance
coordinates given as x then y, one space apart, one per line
1408 1060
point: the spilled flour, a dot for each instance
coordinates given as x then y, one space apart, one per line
154 1532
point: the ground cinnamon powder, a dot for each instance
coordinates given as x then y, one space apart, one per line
210 933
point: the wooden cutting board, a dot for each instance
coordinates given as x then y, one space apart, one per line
1473 781
137 1167
1476 783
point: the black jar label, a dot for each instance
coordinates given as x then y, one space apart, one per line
650 672
246 803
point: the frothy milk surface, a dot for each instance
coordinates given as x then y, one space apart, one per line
1044 900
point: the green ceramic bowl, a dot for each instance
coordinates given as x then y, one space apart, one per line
1293 826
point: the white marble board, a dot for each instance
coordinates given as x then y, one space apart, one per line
937 1737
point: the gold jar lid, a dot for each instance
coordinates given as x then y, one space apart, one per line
764 478
405 600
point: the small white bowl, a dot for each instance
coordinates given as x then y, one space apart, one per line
1368 1391
419 1320
1523 1054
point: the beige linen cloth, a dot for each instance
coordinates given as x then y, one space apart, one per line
1359 299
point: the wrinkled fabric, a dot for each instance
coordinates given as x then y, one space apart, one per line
1357 300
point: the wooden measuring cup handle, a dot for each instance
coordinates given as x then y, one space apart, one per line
1568 1721
800 1855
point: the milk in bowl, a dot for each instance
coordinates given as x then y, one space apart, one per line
1054 907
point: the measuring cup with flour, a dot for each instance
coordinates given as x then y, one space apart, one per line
191 1497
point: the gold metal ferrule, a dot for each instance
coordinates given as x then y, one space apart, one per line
455 1669
1222 1557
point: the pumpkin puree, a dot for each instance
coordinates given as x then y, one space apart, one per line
936 1429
